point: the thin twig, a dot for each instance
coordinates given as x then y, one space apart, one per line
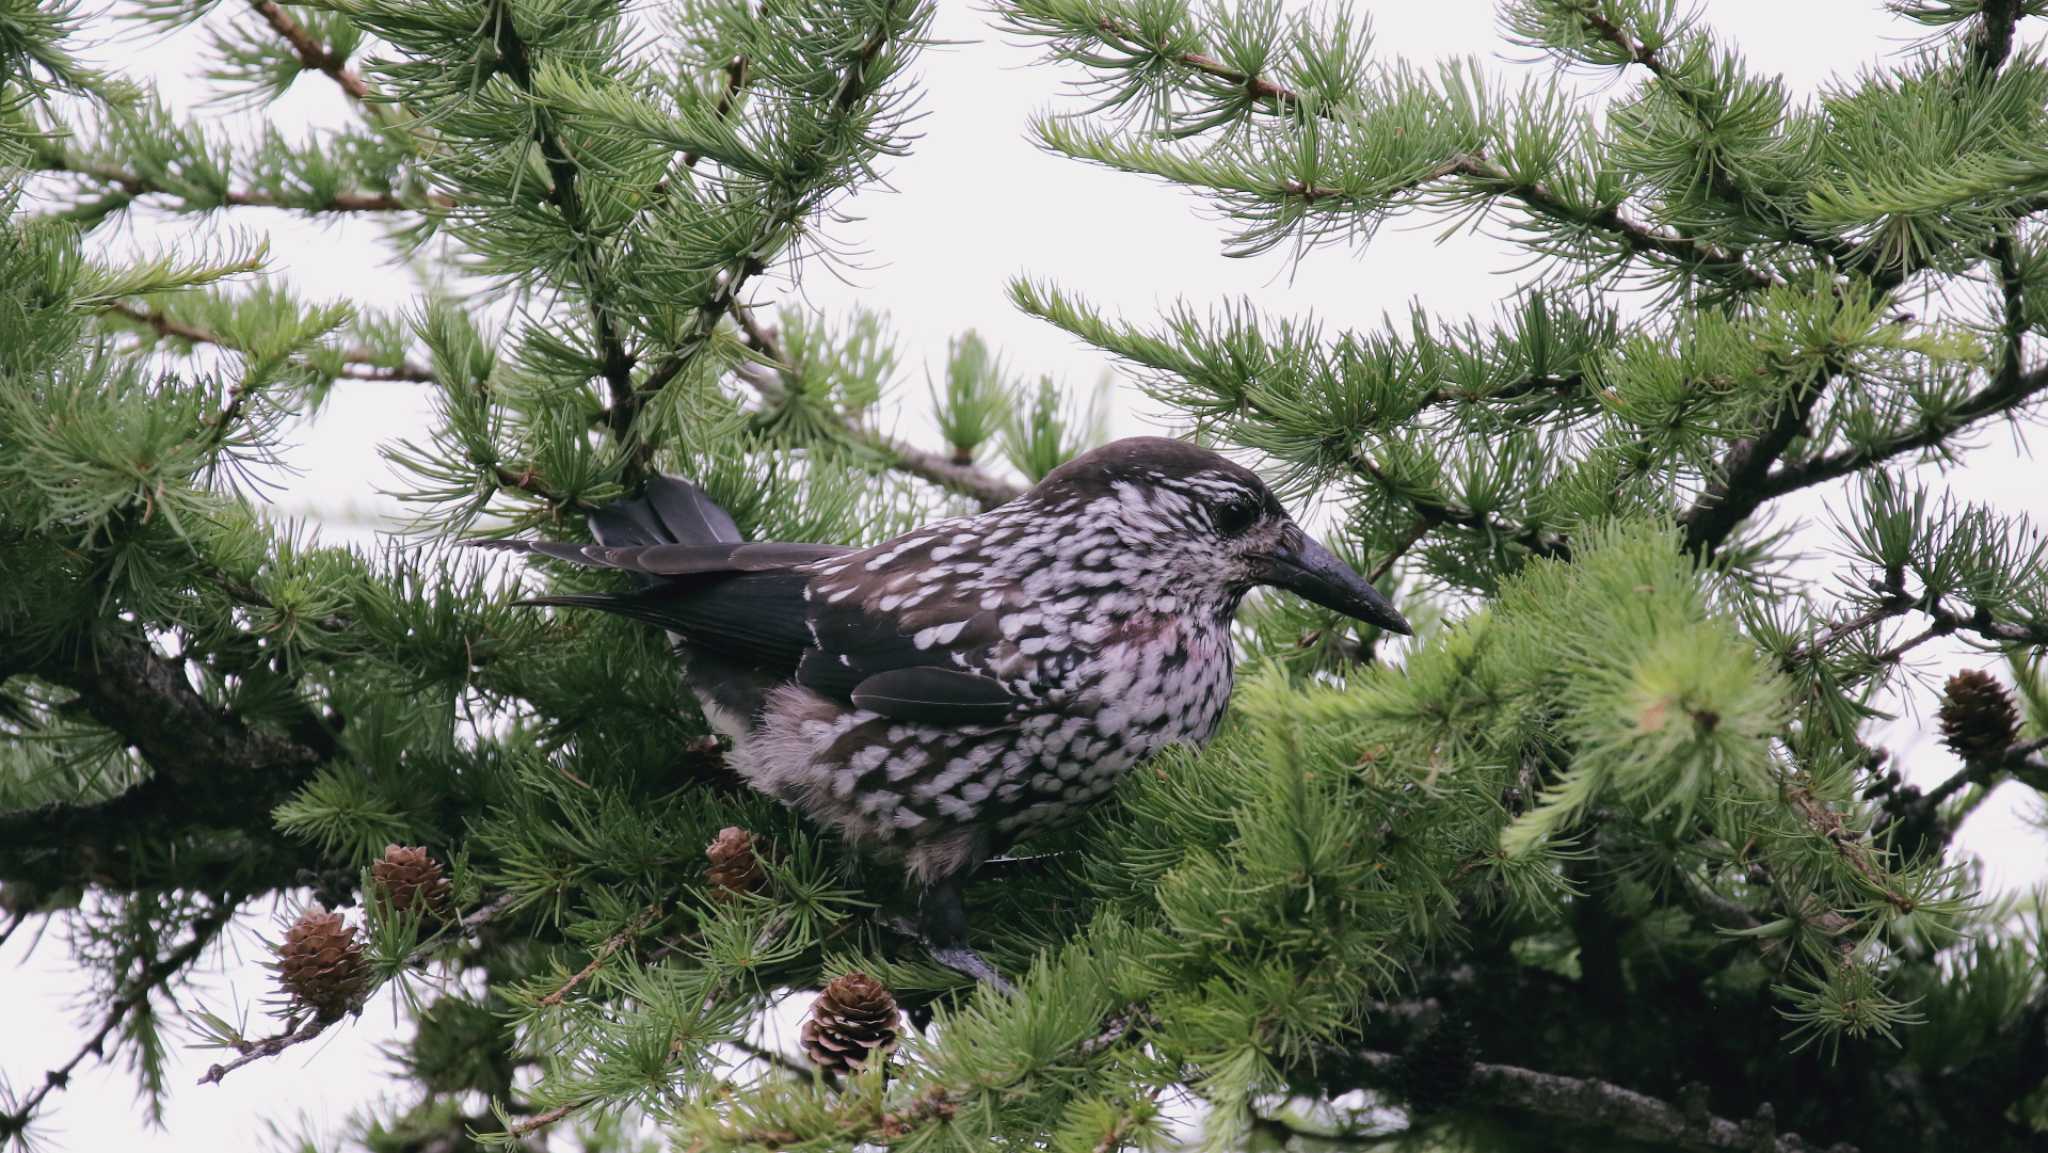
932 467
252 1051
1895 605
1829 825
357 364
802 1070
205 930
939 469
312 53
615 362
1538 198
1414 538
1982 772
611 945
735 83
1436 512
135 184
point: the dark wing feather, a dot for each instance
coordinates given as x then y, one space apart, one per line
675 560
754 619
872 622
935 696
875 637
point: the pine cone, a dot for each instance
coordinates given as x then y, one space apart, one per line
1978 719
854 1017
321 964
735 863
411 880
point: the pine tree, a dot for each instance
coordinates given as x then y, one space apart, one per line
1605 856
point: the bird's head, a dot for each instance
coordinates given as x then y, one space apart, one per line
1204 527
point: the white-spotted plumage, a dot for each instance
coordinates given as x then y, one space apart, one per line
936 697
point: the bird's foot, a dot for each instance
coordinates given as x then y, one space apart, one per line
962 959
955 955
1028 865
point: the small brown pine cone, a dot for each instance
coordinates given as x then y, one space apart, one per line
735 863
853 1017
411 880
320 964
1978 719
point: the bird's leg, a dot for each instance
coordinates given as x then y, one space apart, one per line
942 925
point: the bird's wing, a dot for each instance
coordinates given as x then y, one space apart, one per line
936 696
677 560
892 633
860 627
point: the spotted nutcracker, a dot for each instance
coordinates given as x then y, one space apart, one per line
936 697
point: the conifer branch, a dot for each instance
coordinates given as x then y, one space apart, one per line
251 1052
1434 513
1603 1107
155 973
1847 843
134 184
1539 199
735 83
935 468
615 362
357 364
611 945
313 54
2004 395
1736 490
1947 622
248 1052
126 685
2017 759
1991 40
1723 182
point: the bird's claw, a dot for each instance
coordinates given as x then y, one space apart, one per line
957 957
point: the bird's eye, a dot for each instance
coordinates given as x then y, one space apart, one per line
1235 518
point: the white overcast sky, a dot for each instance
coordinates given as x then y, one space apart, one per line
975 204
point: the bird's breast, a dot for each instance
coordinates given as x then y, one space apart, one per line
1159 679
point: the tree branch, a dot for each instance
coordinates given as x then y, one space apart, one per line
129 687
604 952
205 930
249 1052
1736 491
935 468
1750 476
1436 512
135 184
2000 397
1601 1107
932 467
1539 199
1991 39
357 364
615 362
312 53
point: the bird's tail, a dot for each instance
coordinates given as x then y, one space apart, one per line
672 511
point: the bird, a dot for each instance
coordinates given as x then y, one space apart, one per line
938 697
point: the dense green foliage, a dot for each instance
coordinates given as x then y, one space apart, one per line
1603 855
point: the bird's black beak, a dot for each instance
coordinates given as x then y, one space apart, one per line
1304 567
